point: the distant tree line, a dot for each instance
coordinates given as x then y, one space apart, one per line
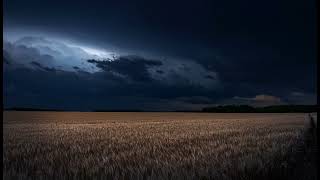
66 110
216 109
117 110
31 109
267 109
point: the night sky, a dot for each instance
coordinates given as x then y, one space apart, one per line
158 55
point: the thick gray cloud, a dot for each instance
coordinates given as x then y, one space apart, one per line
43 87
21 54
45 73
132 67
51 53
33 78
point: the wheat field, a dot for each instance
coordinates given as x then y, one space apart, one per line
106 145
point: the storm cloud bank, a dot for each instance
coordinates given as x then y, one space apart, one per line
37 75
159 55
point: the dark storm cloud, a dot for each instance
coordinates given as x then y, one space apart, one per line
23 54
134 67
133 77
46 88
202 52
43 67
159 71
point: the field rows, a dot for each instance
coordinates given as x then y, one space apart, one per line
149 145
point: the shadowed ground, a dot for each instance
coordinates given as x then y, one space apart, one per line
61 145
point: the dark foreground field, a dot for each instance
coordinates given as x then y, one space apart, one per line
64 145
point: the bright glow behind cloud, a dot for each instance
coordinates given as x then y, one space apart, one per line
95 52
59 53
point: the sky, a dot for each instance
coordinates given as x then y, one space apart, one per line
158 55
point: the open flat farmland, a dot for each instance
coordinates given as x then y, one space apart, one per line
106 145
